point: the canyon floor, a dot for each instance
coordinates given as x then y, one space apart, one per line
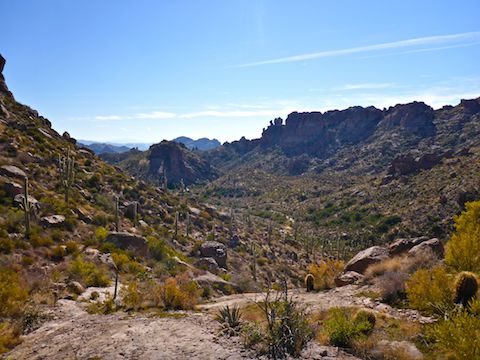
72 333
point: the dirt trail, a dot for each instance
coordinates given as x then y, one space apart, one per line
75 334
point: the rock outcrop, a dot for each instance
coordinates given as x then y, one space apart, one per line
52 221
216 251
433 245
360 262
127 241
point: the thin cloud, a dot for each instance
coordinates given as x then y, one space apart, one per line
229 113
155 115
365 86
108 117
428 40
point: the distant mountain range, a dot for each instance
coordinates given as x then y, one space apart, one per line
202 144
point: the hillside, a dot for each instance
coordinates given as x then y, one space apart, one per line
202 144
359 176
100 148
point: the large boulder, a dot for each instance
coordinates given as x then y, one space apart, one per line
52 221
215 250
127 241
18 200
12 188
433 245
12 171
360 262
208 264
347 278
401 246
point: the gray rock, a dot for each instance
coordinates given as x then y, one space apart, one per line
208 264
434 245
34 203
128 241
76 287
215 250
52 221
12 171
347 278
83 215
215 281
360 262
12 189
401 246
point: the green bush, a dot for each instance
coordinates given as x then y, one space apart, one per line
458 337
430 290
12 294
466 287
463 249
342 331
88 273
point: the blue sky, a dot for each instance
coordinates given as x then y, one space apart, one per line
143 71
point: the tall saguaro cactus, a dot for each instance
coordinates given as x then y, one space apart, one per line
176 226
26 207
66 166
117 217
188 225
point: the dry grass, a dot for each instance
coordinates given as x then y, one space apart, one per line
389 265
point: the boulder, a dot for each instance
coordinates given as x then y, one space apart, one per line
433 245
18 201
401 246
360 262
12 189
391 349
12 171
127 241
83 215
347 278
67 137
214 281
209 264
215 250
76 287
2 63
52 221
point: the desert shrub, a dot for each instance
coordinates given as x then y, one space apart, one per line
9 336
38 240
389 265
6 245
87 273
325 273
12 294
132 296
458 337
106 307
430 291
463 248
392 286
309 282
341 330
58 253
101 233
72 247
252 334
157 248
366 320
178 297
287 327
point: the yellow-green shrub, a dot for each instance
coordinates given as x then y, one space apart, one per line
178 297
12 294
88 273
9 336
463 249
325 272
458 337
430 290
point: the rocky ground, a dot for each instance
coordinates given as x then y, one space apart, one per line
72 333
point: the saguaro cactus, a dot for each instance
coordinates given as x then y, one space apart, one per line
117 217
135 213
253 266
176 225
187 230
66 166
26 207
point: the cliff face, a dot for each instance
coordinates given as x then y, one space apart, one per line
178 163
366 138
